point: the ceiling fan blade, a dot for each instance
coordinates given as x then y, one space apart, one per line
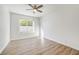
39 6
30 5
39 11
35 6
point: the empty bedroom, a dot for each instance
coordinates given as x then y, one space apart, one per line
39 29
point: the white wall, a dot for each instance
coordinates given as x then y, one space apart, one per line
15 31
4 27
61 24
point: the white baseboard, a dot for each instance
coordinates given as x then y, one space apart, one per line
23 37
1 50
65 44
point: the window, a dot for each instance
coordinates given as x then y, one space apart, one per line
26 25
24 22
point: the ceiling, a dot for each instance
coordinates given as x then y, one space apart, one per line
47 8
21 9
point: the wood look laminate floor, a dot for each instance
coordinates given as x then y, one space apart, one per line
35 46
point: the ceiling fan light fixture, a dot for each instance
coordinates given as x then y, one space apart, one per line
34 10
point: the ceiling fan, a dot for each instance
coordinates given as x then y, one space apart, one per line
35 8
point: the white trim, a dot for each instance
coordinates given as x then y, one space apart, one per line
1 50
24 37
65 44
27 38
